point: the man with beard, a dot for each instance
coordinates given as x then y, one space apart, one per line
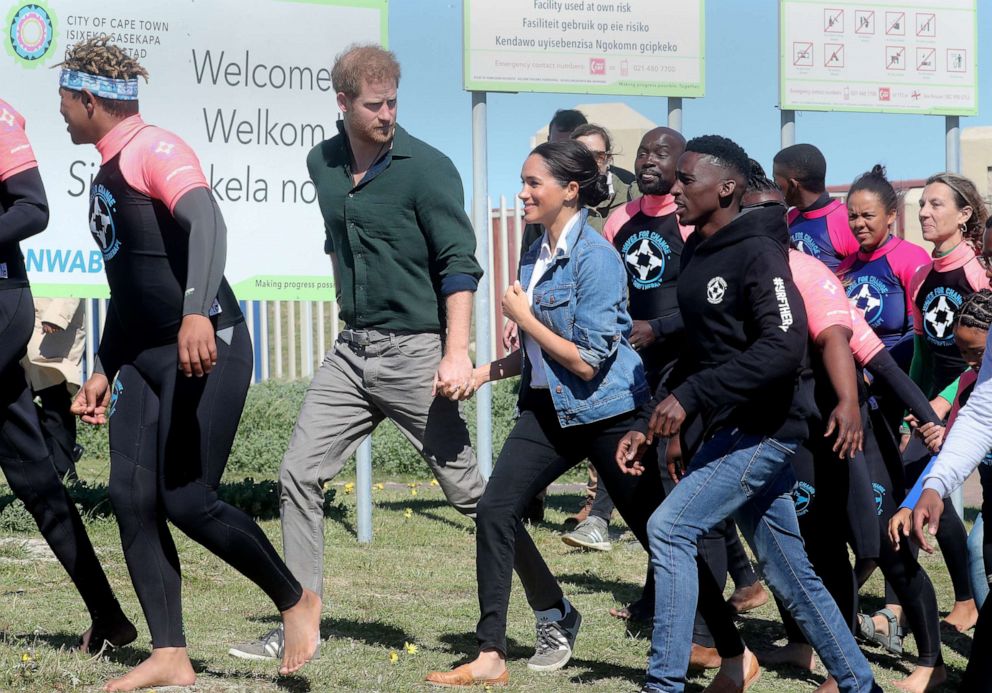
649 240
403 252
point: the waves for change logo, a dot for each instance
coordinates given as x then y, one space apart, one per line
30 33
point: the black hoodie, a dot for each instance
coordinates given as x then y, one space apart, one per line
744 361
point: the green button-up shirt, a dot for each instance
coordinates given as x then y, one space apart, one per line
401 236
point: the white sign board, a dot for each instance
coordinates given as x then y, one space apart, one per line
630 47
247 85
907 56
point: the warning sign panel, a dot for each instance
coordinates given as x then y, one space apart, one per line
907 56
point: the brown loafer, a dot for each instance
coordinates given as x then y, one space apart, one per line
461 677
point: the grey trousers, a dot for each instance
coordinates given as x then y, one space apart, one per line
366 377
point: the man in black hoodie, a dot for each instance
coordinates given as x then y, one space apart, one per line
743 374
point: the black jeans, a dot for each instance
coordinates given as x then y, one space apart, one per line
538 451
27 464
170 437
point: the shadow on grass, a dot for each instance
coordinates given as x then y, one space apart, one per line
373 633
623 592
466 644
956 640
426 507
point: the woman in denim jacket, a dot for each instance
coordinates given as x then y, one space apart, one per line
581 385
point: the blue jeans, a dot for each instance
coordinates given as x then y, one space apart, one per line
747 476
976 562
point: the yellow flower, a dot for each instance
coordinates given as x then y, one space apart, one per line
413 492
410 648
412 484
25 657
380 487
434 482
349 487
393 657
408 513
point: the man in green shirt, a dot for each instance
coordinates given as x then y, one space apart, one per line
403 253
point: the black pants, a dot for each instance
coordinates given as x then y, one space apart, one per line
538 451
821 496
903 574
978 675
27 464
170 437
904 470
58 425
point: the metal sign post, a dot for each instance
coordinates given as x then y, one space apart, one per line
483 335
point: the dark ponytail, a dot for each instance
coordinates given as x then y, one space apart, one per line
875 182
572 161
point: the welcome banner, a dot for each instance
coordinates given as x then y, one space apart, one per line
246 84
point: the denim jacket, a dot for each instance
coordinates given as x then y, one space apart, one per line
582 297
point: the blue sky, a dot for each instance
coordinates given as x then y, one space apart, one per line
741 99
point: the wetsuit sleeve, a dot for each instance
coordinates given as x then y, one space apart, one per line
918 367
162 166
950 393
887 374
441 213
914 493
111 351
198 214
777 315
27 214
970 439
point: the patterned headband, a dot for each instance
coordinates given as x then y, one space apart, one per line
104 87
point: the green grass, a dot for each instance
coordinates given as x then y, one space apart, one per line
415 584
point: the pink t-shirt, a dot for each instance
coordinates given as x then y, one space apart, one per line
827 305
154 161
651 205
16 155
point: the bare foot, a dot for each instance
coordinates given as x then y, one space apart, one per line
748 598
489 668
301 625
793 654
963 616
828 686
736 674
100 635
923 679
168 666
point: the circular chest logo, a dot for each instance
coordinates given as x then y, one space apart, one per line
716 289
646 255
939 310
803 496
879 496
804 243
102 226
869 298
31 33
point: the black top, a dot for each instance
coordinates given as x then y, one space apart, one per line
744 363
145 253
23 213
651 248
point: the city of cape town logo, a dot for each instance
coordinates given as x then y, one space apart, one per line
31 31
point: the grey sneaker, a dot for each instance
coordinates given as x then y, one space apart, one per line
592 533
269 646
556 633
